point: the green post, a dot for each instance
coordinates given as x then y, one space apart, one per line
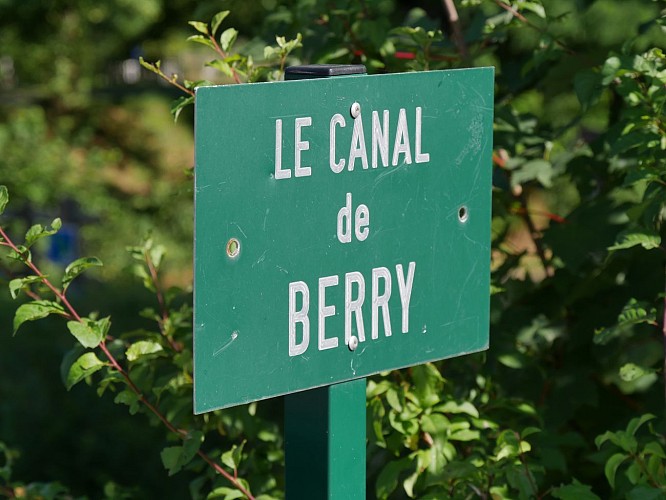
325 442
325 427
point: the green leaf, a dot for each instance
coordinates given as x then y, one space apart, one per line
539 170
199 26
178 105
630 372
393 399
454 407
611 467
587 85
142 348
156 254
387 481
202 40
408 484
654 448
174 458
464 435
221 66
610 69
637 312
434 423
232 458
528 431
35 310
38 231
633 313
535 7
622 439
643 492
513 360
637 422
77 267
427 384
574 491
217 20
89 332
4 198
130 398
225 493
227 39
16 285
629 240
633 473
23 254
86 365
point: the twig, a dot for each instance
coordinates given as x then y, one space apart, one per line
529 23
457 34
164 310
521 457
114 363
175 83
223 55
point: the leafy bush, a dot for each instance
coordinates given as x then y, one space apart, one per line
577 328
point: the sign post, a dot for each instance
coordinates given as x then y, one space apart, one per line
325 427
342 230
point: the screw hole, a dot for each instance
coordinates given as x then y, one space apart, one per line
355 110
463 214
233 248
353 343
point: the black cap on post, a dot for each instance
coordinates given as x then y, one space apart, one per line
309 71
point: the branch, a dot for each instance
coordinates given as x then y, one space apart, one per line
529 23
454 22
223 55
114 363
164 310
175 83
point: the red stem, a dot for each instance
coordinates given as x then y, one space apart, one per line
223 55
114 362
160 299
175 83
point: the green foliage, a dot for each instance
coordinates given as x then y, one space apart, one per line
577 243
644 461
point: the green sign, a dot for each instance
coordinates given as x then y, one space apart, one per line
342 229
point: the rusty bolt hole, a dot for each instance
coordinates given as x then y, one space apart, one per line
233 248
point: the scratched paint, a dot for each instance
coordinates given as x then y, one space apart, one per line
349 225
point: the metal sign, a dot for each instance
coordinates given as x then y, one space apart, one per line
342 229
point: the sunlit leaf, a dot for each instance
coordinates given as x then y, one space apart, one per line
84 366
217 20
142 348
4 198
35 310
77 267
629 240
89 332
17 284
227 38
199 26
